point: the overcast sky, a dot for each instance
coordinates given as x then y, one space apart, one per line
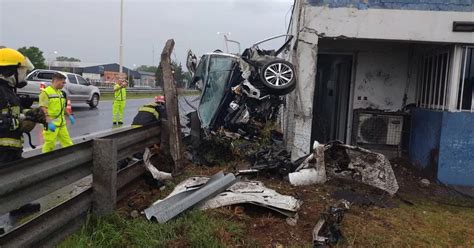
89 29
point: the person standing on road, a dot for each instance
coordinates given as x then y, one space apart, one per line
53 102
120 99
13 69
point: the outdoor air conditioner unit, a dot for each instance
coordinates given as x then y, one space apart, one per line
379 128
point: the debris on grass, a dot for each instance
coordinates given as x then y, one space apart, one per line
201 193
327 231
170 207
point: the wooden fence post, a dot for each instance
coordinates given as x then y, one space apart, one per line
104 176
176 146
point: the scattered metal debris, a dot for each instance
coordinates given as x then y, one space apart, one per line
157 174
251 192
425 183
327 230
254 192
174 204
359 164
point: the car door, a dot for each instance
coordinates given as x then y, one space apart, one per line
73 88
85 88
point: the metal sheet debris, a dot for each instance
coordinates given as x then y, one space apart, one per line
327 232
251 192
359 164
174 204
157 174
254 192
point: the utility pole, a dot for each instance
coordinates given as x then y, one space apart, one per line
121 37
153 54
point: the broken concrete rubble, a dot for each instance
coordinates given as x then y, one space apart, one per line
312 170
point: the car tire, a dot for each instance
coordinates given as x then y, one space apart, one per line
27 103
278 76
94 102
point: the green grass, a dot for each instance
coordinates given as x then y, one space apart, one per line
193 229
426 224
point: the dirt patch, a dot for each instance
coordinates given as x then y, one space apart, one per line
418 219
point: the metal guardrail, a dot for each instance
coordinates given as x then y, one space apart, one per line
133 90
146 90
29 179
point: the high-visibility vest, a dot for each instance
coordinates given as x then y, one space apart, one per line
147 114
56 105
120 95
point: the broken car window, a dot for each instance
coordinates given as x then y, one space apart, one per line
214 89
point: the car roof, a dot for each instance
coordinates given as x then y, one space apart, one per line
223 54
62 72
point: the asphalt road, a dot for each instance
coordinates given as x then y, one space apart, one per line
92 120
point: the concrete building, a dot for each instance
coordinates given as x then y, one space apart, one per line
147 79
388 74
109 74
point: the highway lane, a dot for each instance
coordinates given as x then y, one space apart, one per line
91 120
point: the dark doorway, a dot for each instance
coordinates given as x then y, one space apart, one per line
331 97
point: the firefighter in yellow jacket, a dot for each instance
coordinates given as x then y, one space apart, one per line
53 102
120 99
13 69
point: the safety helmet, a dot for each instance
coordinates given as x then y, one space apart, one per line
160 99
11 57
14 66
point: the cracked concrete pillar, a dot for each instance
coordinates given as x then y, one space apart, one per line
305 59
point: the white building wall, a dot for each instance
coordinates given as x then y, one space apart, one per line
91 76
381 80
387 24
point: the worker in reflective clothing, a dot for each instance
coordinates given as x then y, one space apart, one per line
150 113
120 99
13 69
53 102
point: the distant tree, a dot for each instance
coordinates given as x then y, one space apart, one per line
131 82
70 59
180 76
35 55
147 68
159 77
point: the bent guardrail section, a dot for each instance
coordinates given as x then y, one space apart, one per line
30 179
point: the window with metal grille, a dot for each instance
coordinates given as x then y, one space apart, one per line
466 83
433 78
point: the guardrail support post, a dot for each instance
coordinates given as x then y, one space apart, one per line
176 145
104 176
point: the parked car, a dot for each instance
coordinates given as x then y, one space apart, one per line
77 89
241 92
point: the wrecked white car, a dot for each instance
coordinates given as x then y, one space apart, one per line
239 93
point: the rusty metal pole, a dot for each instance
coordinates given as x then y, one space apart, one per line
174 128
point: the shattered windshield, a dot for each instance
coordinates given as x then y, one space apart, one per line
219 70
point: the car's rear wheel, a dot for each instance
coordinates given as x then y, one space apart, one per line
94 102
279 76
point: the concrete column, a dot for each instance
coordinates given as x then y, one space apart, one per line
104 176
454 78
305 60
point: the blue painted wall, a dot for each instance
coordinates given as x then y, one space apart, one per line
456 154
443 143
425 137
433 5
